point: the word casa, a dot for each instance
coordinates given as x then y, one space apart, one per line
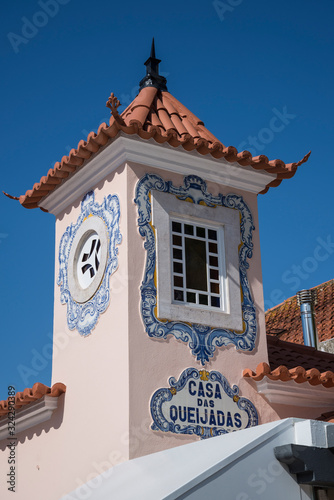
206 407
206 391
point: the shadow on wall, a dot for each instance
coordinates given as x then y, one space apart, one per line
54 423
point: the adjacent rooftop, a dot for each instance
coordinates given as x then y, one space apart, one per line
283 321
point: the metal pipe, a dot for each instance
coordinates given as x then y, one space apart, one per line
307 299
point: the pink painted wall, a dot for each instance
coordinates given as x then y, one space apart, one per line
110 375
89 432
158 360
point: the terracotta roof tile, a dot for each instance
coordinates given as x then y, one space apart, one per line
154 114
290 361
291 355
29 395
298 374
327 417
284 320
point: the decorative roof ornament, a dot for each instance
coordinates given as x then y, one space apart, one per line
113 104
152 78
187 131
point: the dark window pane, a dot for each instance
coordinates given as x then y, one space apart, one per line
177 253
203 299
188 229
214 274
212 234
178 295
215 301
213 261
176 227
177 240
191 297
177 266
200 231
195 253
178 281
214 287
213 248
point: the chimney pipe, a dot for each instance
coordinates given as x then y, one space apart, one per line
307 299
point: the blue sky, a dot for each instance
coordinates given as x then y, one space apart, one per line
235 63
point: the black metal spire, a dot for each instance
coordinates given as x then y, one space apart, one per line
152 78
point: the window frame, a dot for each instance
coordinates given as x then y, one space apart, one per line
166 206
220 255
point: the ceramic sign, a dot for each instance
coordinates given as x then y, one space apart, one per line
202 403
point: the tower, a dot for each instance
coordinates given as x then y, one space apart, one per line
158 288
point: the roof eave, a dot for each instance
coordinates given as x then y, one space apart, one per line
134 121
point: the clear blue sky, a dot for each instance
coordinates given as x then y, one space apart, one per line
235 64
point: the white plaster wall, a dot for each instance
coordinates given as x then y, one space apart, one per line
237 466
89 431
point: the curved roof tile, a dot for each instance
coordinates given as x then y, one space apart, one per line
30 395
284 320
298 374
327 417
154 114
291 355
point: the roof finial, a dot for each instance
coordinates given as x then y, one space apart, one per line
153 49
152 78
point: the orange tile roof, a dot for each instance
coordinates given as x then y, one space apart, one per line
327 417
291 355
30 395
291 361
298 374
284 320
154 114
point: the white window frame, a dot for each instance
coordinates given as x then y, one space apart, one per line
220 268
166 207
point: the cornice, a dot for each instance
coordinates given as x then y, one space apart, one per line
29 416
126 149
293 394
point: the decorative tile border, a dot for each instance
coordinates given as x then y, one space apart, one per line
202 340
84 316
201 403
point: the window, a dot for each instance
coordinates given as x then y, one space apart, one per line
197 262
